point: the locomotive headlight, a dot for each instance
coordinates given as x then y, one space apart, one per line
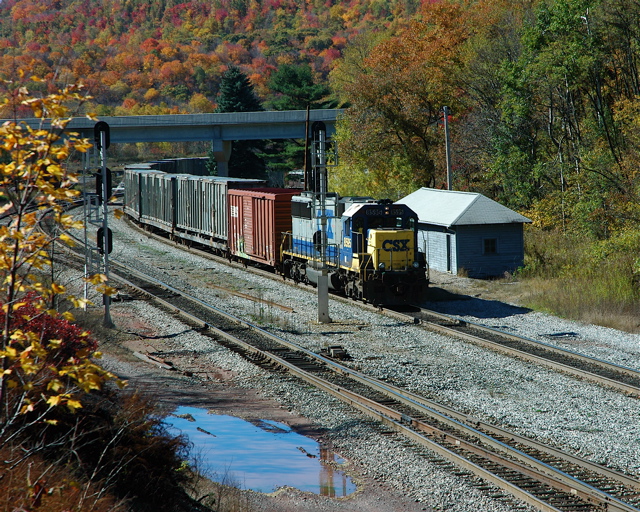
381 265
416 264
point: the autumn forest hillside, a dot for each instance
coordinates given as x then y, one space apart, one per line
163 56
544 97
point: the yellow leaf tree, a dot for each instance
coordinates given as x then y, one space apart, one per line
46 362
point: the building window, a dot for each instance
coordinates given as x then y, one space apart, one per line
490 246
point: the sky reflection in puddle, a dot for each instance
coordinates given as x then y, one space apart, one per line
260 456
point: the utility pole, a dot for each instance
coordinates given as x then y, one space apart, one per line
447 147
86 208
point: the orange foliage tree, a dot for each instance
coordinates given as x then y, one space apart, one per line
397 92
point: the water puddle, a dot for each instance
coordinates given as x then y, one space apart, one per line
261 456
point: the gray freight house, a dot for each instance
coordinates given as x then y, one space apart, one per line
467 233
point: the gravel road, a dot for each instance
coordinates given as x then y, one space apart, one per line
580 417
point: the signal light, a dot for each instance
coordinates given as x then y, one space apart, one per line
101 240
98 177
100 127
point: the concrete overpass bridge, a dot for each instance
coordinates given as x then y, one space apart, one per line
220 129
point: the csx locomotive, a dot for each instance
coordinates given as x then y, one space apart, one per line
370 249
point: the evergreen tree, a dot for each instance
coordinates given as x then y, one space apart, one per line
237 95
294 88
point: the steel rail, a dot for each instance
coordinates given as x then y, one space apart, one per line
614 367
628 389
394 419
422 404
623 387
540 471
472 425
627 480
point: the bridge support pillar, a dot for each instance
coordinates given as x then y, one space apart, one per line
222 151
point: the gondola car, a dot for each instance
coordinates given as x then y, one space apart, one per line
186 207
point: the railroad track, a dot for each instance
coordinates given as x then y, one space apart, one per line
620 378
552 479
493 458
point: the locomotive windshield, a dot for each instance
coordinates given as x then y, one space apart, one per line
386 222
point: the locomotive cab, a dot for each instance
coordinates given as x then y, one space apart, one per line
371 248
379 236
379 251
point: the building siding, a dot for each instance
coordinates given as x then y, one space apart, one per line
509 254
432 241
467 248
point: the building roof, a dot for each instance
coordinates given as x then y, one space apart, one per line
452 208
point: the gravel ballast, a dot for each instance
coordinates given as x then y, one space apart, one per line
583 418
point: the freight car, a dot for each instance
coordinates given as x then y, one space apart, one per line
184 206
370 246
257 220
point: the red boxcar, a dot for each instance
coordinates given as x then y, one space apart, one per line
257 219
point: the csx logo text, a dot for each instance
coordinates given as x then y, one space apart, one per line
395 245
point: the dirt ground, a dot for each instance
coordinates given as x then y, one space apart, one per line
444 286
192 383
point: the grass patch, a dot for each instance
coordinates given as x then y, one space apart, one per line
591 281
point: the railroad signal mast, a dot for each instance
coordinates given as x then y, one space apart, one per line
323 155
96 213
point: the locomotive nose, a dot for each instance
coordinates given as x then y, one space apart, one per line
394 283
399 290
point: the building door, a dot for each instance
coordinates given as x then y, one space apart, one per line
449 266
